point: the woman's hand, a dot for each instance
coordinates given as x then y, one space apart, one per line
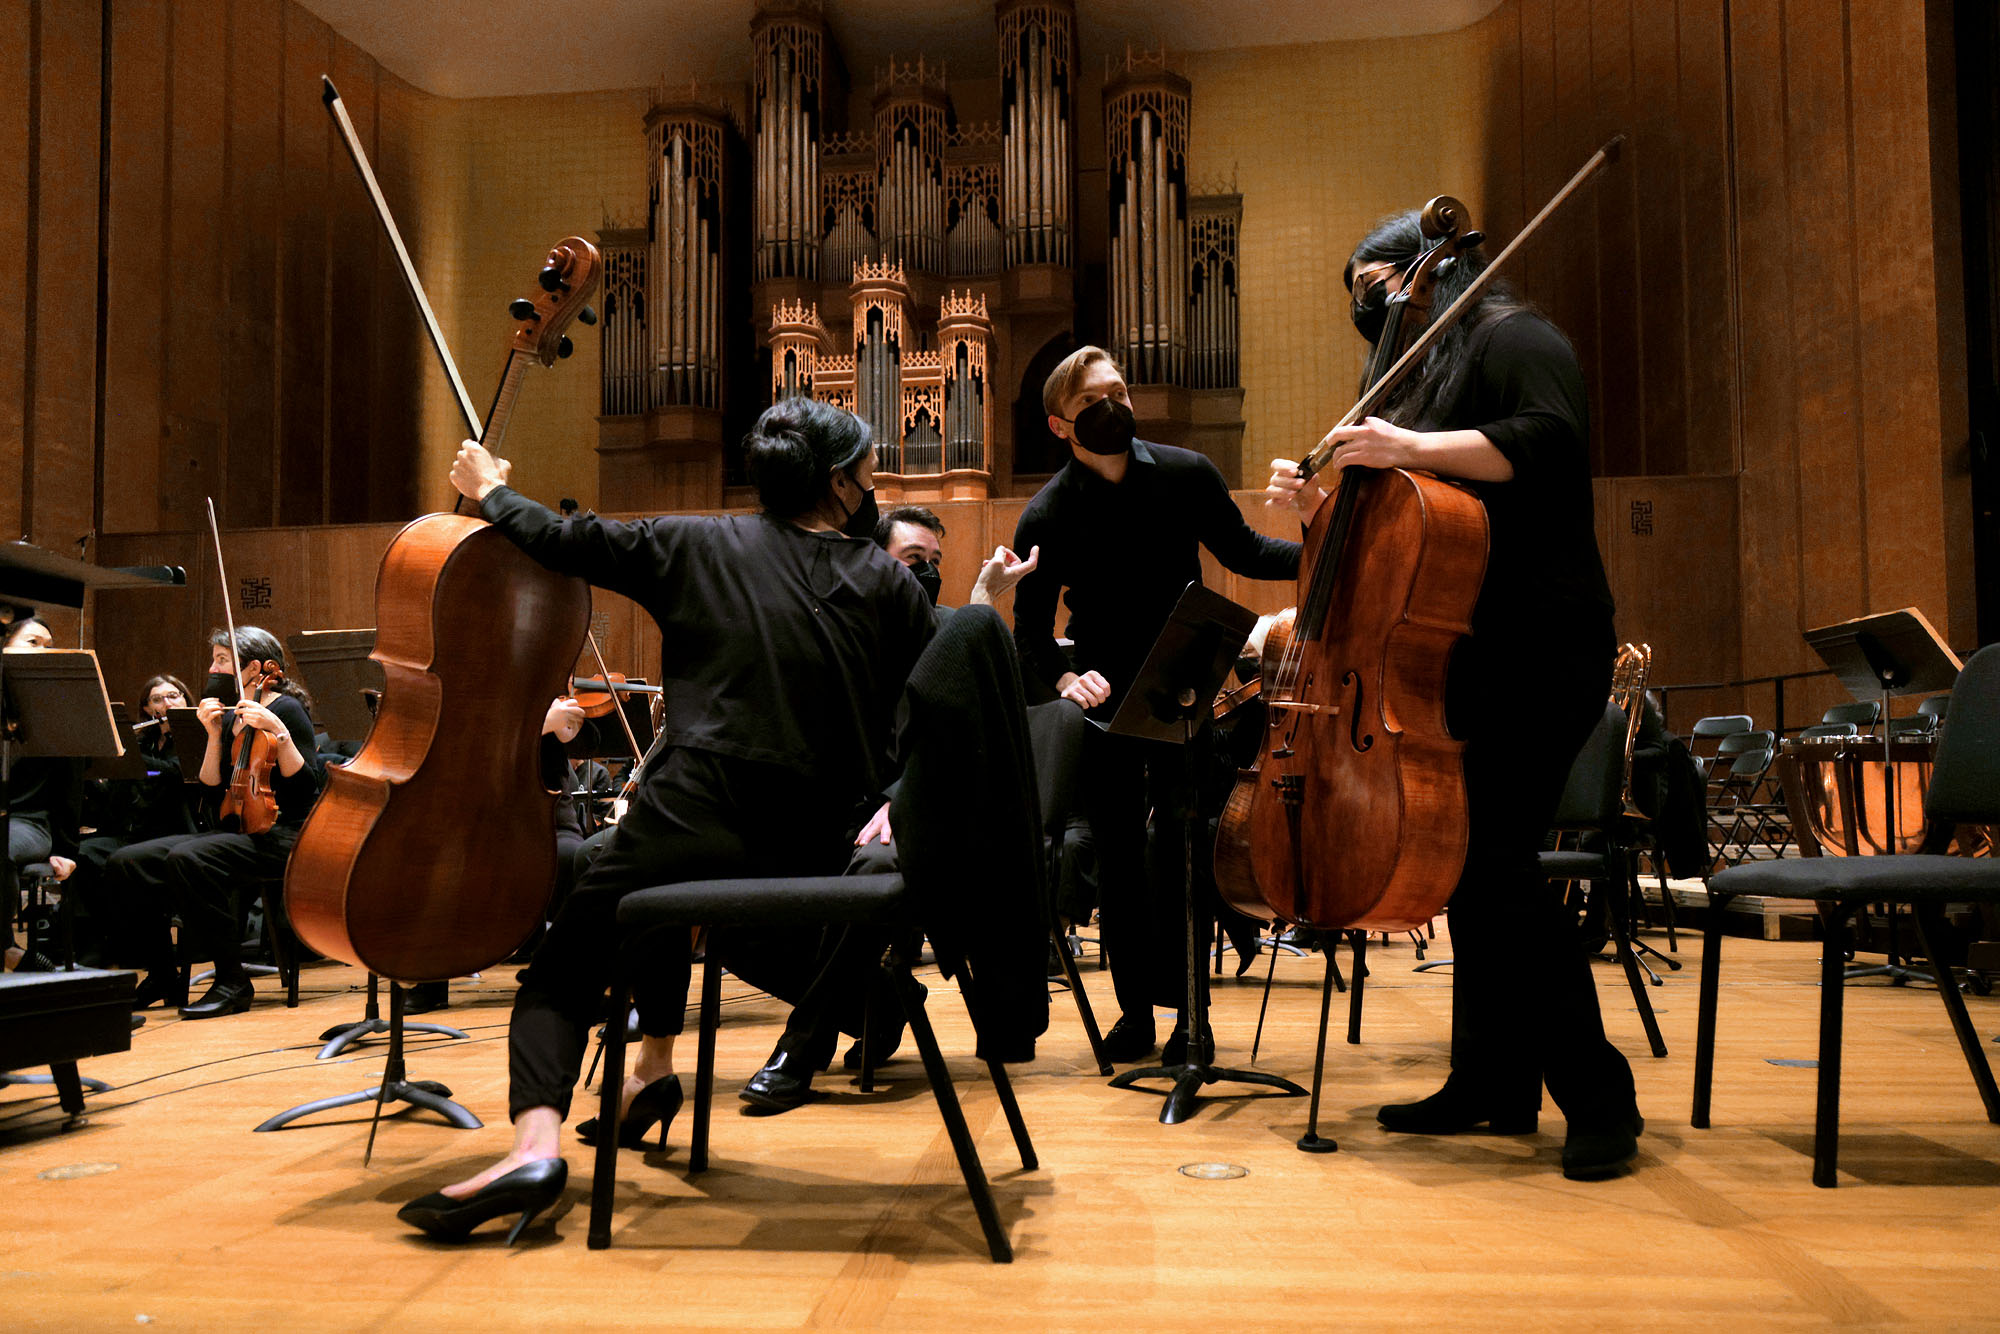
1000 573
210 712
877 828
563 720
475 471
252 714
1373 443
1088 690
62 866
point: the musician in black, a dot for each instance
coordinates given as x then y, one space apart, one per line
787 637
1120 528
1499 406
208 879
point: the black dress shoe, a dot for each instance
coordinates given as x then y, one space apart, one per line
423 997
1592 1153
1175 1052
1129 1039
528 1189
1455 1109
161 984
659 1101
222 997
785 1082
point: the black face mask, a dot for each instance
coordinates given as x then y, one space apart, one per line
222 686
1370 311
930 578
1105 427
861 520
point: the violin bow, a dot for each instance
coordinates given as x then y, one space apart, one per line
617 703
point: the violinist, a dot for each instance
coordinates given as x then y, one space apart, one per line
253 711
1120 527
1499 406
787 637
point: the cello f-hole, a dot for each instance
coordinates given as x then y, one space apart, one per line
1362 744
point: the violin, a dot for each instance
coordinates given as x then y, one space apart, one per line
596 693
250 806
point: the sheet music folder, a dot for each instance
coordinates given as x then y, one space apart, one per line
1196 649
56 697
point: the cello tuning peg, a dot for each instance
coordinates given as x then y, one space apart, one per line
565 347
550 278
521 308
587 315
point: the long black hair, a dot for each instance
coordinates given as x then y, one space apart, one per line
794 449
259 645
1420 402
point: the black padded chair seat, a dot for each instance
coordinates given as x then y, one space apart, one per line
752 902
1568 865
1910 878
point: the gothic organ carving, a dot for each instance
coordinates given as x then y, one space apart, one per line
918 269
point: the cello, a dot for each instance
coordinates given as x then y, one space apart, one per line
431 854
1355 816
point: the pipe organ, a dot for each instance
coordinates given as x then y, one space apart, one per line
1037 81
684 292
911 107
952 250
788 43
1146 135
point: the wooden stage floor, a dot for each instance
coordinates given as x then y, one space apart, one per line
164 1209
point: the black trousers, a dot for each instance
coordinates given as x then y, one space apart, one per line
830 975
1141 881
1524 1003
698 815
205 879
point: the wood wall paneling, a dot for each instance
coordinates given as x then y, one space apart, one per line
1708 251
18 69
1767 487
253 192
1658 395
1619 388
393 430
302 456
62 426
1898 352
1825 366
191 468
348 457
136 267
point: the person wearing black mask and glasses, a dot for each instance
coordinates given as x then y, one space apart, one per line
1120 527
785 647
914 537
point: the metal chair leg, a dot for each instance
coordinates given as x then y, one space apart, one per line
1930 924
1826 1116
997 1244
1704 1040
604 1174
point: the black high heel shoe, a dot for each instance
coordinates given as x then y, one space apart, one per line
530 1188
658 1101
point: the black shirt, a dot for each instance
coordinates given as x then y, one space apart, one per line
295 794
777 645
1125 551
1544 575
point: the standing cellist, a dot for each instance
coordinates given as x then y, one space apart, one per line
1499 405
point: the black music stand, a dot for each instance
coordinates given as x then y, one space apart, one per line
1879 657
1168 702
54 707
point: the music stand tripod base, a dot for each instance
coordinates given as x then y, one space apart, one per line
1166 701
395 1087
342 1036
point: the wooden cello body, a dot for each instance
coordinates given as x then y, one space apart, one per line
432 852
1355 816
